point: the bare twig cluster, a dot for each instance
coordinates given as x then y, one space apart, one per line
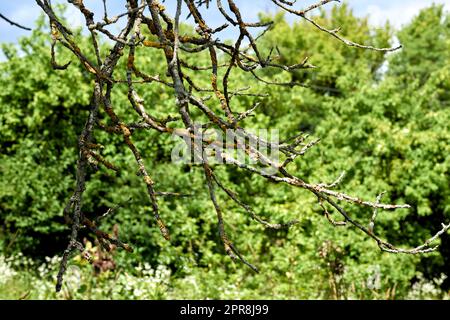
245 55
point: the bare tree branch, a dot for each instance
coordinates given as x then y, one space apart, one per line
14 23
175 47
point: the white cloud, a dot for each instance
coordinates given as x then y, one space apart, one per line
74 17
399 12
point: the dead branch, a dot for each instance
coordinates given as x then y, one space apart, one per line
176 46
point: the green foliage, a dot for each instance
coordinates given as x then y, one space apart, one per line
427 46
38 138
388 130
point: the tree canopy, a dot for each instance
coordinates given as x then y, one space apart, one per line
382 118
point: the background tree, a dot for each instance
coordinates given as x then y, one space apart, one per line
191 225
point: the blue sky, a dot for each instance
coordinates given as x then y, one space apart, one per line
397 12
